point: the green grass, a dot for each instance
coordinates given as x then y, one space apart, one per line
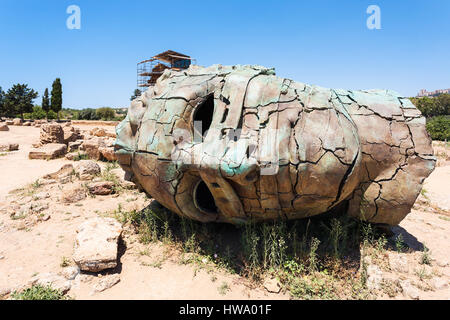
80 156
29 190
318 287
108 175
223 288
425 258
65 262
126 216
399 243
18 216
422 274
315 258
424 192
38 292
113 164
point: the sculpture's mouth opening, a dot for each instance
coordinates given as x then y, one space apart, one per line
203 198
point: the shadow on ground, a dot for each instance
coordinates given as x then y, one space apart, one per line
328 237
410 240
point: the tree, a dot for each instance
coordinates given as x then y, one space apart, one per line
106 113
56 100
2 110
136 94
426 105
439 128
433 106
443 104
19 99
46 102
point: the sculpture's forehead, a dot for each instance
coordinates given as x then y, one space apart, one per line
198 81
185 87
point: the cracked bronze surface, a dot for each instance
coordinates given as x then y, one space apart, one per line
274 148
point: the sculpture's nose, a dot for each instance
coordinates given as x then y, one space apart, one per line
135 113
123 146
221 164
126 143
239 166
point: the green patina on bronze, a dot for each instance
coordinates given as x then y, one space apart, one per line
274 148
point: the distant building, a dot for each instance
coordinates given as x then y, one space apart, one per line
425 93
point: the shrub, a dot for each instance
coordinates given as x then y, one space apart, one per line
52 114
439 128
106 113
67 113
307 257
38 113
80 156
120 117
426 105
433 106
88 114
38 292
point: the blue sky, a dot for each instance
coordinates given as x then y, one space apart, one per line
318 42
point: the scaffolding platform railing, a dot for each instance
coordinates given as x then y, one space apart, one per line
148 71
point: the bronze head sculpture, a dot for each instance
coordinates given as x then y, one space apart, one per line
237 143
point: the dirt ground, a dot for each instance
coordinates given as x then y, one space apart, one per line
148 272
27 251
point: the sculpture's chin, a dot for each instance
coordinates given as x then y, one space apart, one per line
124 158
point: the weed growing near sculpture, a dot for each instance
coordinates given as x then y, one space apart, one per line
38 292
318 258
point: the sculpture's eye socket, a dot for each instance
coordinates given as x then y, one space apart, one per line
203 115
203 199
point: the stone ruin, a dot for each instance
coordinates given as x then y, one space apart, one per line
237 143
58 140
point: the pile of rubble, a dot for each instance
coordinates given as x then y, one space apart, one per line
5 122
70 184
9 147
58 140
97 238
